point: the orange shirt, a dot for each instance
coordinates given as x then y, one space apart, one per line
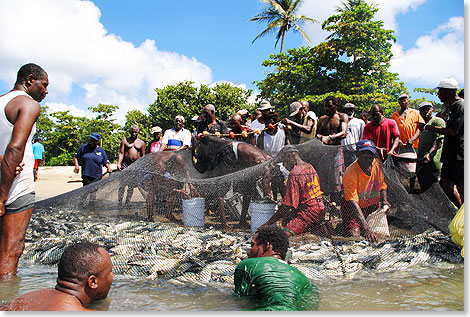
408 127
362 188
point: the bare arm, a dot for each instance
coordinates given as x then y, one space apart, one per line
440 130
23 112
121 154
279 214
357 211
304 128
77 167
395 145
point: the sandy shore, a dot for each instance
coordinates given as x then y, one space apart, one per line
56 180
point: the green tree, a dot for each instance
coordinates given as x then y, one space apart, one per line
281 17
352 64
142 120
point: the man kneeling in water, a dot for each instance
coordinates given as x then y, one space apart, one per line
84 276
274 284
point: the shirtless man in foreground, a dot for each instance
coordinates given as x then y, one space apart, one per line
332 127
84 276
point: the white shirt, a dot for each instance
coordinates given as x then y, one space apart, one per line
175 140
355 129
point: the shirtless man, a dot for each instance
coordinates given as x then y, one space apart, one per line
132 148
84 276
332 127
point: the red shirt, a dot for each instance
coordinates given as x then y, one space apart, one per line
383 134
303 189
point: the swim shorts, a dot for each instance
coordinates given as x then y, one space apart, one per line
20 204
37 162
453 170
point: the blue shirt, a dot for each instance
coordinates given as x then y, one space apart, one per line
38 150
92 160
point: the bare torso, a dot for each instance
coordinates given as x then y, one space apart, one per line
133 149
44 300
331 125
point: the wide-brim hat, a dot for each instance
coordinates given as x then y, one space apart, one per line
264 105
156 129
294 108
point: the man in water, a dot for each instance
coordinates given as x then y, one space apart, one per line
265 276
365 191
17 126
84 276
302 208
132 148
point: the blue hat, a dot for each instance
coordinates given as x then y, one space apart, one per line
95 136
364 145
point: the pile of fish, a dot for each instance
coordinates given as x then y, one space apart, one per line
204 255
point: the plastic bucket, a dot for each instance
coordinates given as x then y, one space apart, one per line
260 213
193 212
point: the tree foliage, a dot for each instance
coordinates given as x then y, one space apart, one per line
280 15
351 64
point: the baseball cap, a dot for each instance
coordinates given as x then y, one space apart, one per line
264 105
425 104
448 83
294 108
95 136
366 145
156 129
403 96
349 105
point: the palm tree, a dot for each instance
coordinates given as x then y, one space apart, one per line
280 15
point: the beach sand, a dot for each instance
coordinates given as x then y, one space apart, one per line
56 180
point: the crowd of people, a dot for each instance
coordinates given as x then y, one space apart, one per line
85 270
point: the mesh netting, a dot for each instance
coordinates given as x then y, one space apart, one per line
138 214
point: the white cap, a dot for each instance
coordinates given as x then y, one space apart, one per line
448 83
264 105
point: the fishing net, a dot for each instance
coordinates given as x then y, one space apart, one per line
143 214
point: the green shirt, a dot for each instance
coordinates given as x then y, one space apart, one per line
426 140
275 285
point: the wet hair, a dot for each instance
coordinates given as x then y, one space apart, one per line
29 69
333 99
78 261
276 236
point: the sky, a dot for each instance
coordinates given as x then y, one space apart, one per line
117 52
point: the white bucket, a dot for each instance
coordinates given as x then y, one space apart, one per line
193 212
260 213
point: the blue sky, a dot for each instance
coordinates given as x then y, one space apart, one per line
117 52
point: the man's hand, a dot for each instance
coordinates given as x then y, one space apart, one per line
2 208
119 167
76 169
110 170
370 236
19 169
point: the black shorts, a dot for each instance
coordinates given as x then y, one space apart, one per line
453 170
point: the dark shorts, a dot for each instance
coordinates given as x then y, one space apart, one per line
22 203
37 162
87 180
453 170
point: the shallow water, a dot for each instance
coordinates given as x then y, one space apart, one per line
437 288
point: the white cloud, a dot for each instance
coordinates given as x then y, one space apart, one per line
73 110
67 39
435 56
